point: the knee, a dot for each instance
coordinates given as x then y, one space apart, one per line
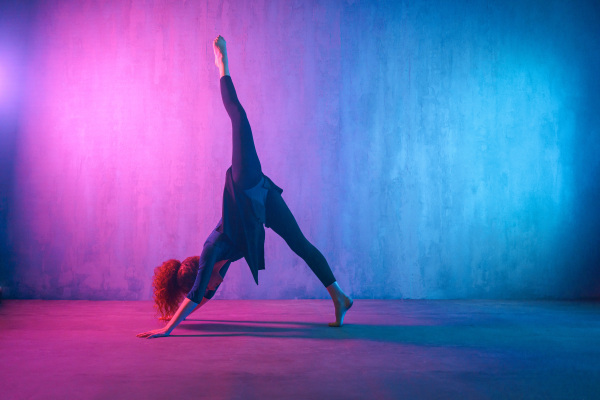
303 248
237 113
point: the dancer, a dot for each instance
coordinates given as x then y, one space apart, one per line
250 200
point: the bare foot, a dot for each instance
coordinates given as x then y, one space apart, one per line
220 50
340 310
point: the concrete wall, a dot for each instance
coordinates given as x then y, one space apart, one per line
433 149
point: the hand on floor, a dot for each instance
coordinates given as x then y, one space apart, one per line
162 332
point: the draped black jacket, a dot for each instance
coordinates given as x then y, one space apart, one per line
243 216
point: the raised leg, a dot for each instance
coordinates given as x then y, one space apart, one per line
246 168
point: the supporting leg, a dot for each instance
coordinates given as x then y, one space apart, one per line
341 302
281 220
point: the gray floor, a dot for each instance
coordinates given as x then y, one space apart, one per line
271 349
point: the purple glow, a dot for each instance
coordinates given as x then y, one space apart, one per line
8 82
3 82
424 156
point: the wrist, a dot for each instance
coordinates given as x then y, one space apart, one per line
169 327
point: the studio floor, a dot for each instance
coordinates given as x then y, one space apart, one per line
283 349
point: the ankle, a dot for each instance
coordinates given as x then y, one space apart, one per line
223 67
224 71
335 292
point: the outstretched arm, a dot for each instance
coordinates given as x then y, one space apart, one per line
185 308
189 306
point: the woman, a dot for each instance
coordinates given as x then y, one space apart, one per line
250 199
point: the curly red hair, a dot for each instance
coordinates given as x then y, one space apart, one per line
172 280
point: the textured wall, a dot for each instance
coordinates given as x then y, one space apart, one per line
434 149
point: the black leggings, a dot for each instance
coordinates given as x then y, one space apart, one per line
245 165
247 172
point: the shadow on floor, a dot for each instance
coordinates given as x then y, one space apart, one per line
464 335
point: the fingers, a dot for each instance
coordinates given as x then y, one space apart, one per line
145 334
151 334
